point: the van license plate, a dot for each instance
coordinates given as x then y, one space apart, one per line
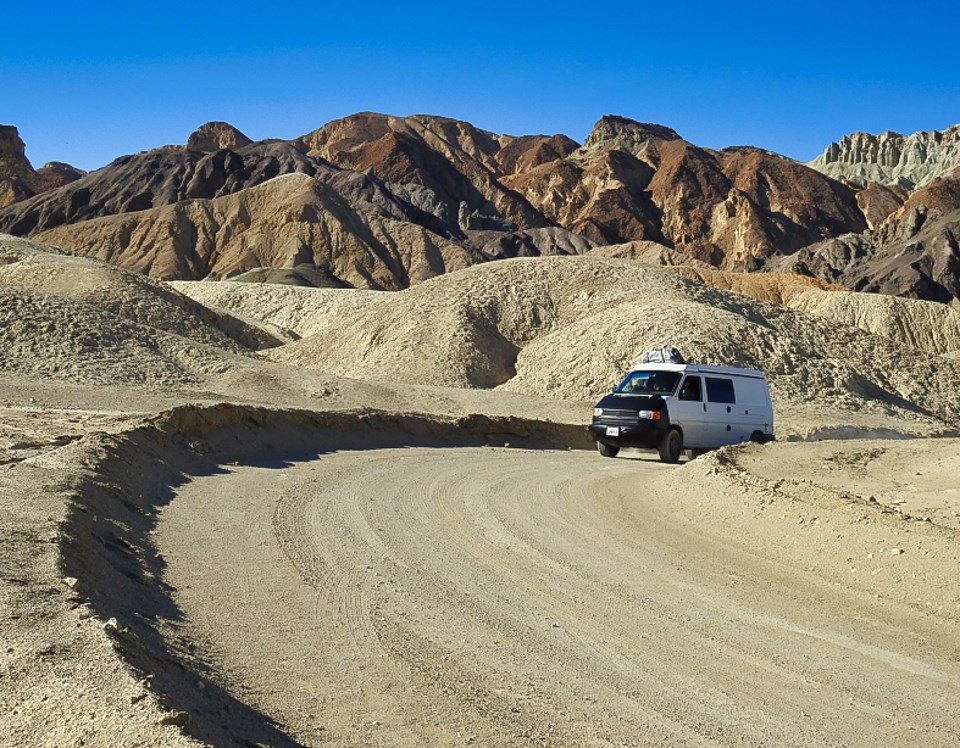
613 431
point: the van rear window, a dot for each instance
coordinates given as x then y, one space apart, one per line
720 390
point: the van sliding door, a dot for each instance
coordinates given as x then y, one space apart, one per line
721 419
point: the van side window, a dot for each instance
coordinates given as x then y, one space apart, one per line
690 389
720 390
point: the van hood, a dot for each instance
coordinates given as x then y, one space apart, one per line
616 401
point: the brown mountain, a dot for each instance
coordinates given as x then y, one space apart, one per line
388 201
444 166
216 135
915 252
286 222
632 181
117 213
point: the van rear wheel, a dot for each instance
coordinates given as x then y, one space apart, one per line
671 446
607 450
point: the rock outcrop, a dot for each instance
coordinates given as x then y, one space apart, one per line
632 181
18 180
216 135
16 173
892 159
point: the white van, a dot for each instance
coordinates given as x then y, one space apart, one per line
671 407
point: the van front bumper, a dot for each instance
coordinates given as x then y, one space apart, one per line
643 434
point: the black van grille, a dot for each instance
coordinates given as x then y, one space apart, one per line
618 416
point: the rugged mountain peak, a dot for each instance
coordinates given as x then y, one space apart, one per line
891 159
213 136
18 180
613 132
13 161
16 174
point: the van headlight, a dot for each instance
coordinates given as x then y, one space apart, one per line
648 415
597 412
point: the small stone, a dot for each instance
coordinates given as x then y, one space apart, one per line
182 720
71 582
111 625
896 551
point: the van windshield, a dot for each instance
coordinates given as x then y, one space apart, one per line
661 383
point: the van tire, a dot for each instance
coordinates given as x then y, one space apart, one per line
607 450
671 447
757 438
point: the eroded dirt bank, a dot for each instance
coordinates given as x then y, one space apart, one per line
83 588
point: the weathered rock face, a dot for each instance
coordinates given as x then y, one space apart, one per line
18 180
346 225
16 174
915 252
878 202
603 198
216 135
451 166
799 202
905 161
634 182
641 140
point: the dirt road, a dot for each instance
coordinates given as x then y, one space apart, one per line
493 596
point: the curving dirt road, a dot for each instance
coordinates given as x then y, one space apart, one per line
409 597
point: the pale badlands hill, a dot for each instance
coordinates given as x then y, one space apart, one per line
569 327
560 328
847 549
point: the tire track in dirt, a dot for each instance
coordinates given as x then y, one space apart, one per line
511 597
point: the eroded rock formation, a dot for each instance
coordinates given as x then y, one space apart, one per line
892 159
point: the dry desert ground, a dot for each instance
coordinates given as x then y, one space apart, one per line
243 514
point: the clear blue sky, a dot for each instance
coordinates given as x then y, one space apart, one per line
88 82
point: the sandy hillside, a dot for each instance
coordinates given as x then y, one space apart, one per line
210 542
569 327
302 311
926 325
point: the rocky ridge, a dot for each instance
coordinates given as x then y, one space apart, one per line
396 200
891 159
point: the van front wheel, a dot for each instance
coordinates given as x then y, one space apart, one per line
607 450
671 446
